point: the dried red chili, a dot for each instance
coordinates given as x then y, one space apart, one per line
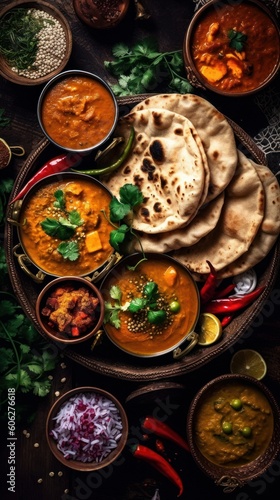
159 463
163 430
54 166
231 304
226 320
209 287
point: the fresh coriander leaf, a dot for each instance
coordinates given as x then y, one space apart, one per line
118 210
112 317
7 358
48 360
41 388
117 236
137 304
60 199
151 290
35 368
75 218
31 335
116 293
130 195
237 40
13 325
61 229
156 317
7 308
69 250
120 50
24 348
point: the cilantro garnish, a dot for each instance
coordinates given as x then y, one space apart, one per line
147 303
142 67
64 228
237 40
22 367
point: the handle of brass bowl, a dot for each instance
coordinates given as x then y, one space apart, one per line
24 261
97 339
179 353
98 275
17 150
193 79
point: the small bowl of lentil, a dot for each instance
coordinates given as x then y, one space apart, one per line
77 111
70 310
87 429
45 48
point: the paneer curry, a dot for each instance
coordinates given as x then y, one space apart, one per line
63 229
235 47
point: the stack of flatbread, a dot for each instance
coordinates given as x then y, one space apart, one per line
203 198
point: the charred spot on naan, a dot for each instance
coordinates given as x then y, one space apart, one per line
157 151
148 168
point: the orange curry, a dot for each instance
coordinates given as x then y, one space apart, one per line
235 47
79 204
78 112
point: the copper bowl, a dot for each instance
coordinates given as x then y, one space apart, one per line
229 476
90 465
99 15
60 336
6 70
195 76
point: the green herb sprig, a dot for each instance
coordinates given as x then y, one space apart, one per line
4 120
147 302
18 37
22 367
64 228
237 40
143 68
121 210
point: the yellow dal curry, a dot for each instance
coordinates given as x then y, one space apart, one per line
78 112
232 437
91 237
135 334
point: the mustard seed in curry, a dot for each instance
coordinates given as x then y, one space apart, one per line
235 47
234 425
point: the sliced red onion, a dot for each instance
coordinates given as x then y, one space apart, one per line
87 427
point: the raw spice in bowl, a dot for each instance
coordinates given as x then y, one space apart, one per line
87 427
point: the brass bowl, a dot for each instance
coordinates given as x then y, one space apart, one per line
93 465
6 70
232 476
53 333
195 76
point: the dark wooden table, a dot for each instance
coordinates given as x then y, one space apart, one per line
38 474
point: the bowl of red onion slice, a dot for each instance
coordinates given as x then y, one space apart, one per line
87 428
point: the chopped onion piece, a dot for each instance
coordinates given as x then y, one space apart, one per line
87 427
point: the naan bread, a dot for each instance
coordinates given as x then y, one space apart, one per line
241 217
269 229
204 221
167 166
214 130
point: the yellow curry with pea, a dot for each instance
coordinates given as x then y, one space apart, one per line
63 229
150 309
235 47
234 425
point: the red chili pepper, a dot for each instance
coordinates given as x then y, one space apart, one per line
159 463
152 424
54 166
226 320
75 331
231 304
209 287
224 292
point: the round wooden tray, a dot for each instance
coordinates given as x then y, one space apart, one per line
107 359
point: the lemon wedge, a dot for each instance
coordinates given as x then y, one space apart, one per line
209 329
248 362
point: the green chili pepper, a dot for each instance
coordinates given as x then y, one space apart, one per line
116 164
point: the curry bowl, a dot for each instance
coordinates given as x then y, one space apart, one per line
87 429
70 310
151 305
77 111
233 428
232 49
57 50
62 227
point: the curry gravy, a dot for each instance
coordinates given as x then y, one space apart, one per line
153 339
88 199
233 449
